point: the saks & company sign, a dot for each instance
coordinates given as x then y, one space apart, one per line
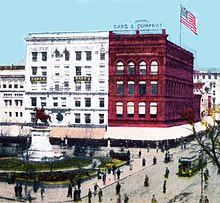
138 25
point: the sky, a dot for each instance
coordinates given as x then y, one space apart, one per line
18 18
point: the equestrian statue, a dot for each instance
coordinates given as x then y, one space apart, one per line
40 114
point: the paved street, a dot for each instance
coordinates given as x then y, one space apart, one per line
132 182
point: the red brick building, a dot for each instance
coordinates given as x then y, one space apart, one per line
150 81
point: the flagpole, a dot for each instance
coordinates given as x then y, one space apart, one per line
180 24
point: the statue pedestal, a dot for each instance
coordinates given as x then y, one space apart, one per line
41 149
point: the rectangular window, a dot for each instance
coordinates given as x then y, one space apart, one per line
66 84
10 114
43 104
78 70
77 118
119 88
55 104
101 118
101 102
119 109
142 88
57 87
130 87
88 86
78 86
88 55
78 55
102 56
153 109
153 87
15 86
16 114
87 118
34 70
4 85
10 86
21 114
77 102
33 101
87 102
44 56
34 56
66 55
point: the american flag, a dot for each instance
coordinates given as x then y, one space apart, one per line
188 19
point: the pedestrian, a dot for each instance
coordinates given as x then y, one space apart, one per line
126 199
89 196
75 193
104 178
143 162
119 199
78 183
99 174
100 195
79 194
167 171
139 154
164 186
95 188
20 191
206 199
16 190
118 173
154 160
148 147
70 191
130 167
117 188
42 192
153 199
146 181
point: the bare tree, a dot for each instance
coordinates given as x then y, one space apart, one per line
209 139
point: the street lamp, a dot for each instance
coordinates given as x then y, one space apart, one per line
201 165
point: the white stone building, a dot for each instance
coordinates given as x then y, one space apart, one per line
67 74
12 91
211 84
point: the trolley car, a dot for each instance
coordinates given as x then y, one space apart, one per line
188 166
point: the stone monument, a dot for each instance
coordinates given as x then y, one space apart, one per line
41 149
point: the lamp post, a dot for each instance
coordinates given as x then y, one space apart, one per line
201 165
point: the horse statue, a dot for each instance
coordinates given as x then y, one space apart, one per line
40 114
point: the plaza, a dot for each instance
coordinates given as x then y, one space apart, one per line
179 189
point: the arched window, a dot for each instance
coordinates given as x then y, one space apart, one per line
120 68
130 109
153 67
142 68
131 68
153 109
119 109
141 109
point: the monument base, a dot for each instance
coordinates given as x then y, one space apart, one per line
41 149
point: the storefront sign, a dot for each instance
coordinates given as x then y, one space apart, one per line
137 25
38 79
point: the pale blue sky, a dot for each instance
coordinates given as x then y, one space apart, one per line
20 17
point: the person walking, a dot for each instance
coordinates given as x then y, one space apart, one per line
119 199
118 173
95 188
126 199
104 178
100 195
89 196
153 199
206 199
20 191
146 181
167 172
75 193
164 186
70 191
16 190
118 188
42 192
154 160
